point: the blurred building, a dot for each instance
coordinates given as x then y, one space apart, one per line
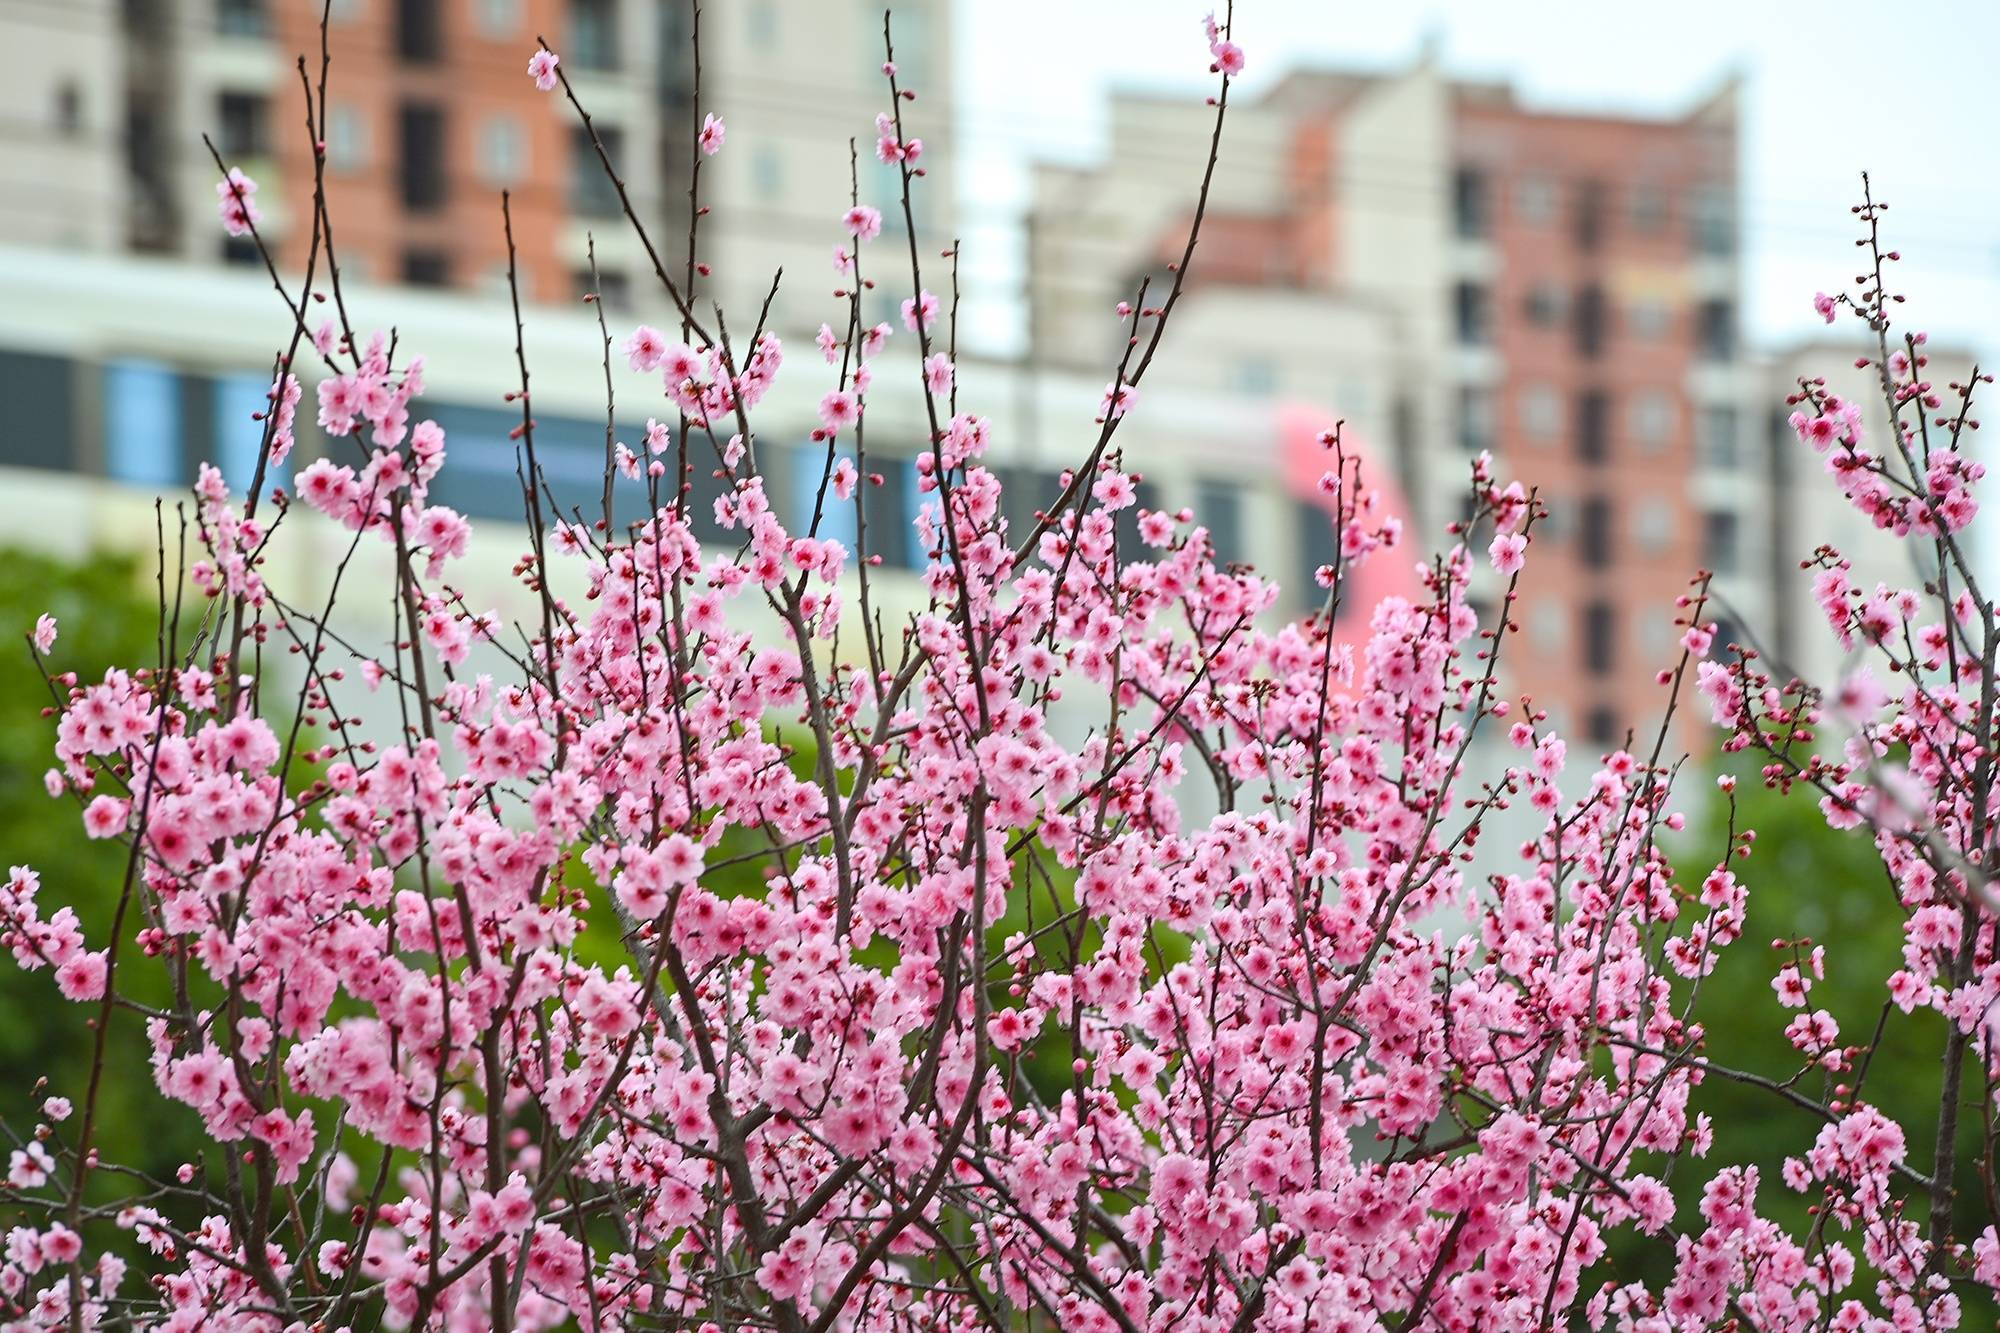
1811 512
1444 268
1455 271
430 115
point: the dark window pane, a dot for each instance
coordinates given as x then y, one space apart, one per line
1319 545
593 34
1718 330
1471 211
1130 547
421 126
1600 637
591 192
240 127
419 31
1594 531
1602 726
1715 222
1593 425
1718 437
1589 317
1472 313
1589 214
1719 541
891 509
36 402
241 18
482 479
426 268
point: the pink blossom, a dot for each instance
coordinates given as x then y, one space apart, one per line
82 977
1508 552
105 816
44 636
542 69
938 374
237 194
926 304
713 131
838 410
862 222
646 348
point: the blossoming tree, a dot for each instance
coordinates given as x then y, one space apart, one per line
1288 1097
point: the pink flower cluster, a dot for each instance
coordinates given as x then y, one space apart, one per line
718 957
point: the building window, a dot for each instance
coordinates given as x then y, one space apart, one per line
419 30
1649 208
593 34
1548 624
1589 320
763 25
1649 317
1535 199
1653 419
1474 315
1541 412
499 18
1545 305
1719 541
1593 422
1469 206
1589 214
766 172
1718 330
242 127
1714 222
1318 544
38 402
238 403
1727 638
426 268
421 129
892 508
241 18
142 424
1476 426
613 286
69 109
1593 531
243 250
502 155
1131 546
1653 525
1255 376
1600 637
1602 726
1718 438
1218 506
346 137
591 191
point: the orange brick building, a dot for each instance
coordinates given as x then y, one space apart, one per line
1557 288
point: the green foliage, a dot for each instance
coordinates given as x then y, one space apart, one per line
1810 884
107 611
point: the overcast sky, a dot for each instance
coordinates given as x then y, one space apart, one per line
1910 94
